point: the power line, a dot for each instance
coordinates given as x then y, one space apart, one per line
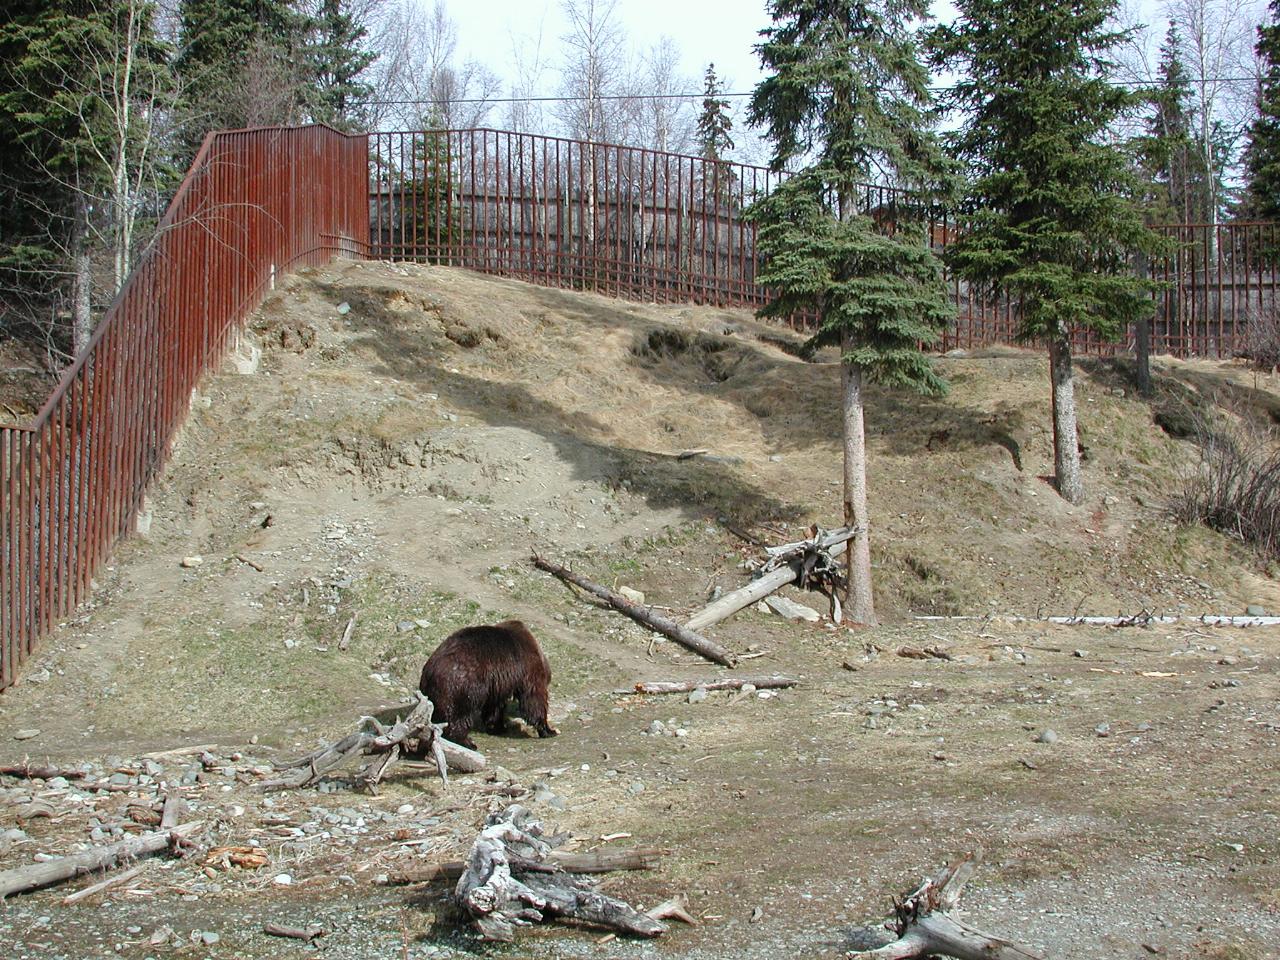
935 88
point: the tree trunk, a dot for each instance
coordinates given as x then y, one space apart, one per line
1142 339
859 604
1066 449
82 265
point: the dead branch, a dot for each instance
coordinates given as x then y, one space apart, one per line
385 745
36 875
294 933
27 771
677 907
728 683
500 890
643 615
925 925
598 861
803 560
346 634
111 881
252 563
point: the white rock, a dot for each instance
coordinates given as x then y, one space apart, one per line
282 880
635 596
792 610
192 561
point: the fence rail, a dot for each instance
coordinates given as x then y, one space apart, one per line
254 203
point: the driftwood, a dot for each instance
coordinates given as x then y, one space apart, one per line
384 744
507 884
26 771
675 908
294 933
597 861
641 614
925 924
728 683
789 562
111 881
36 875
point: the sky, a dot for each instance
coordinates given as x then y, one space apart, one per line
717 31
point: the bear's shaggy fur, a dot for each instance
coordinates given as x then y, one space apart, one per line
476 671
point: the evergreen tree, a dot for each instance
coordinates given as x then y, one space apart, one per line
1262 155
714 123
240 63
338 60
1168 149
1050 218
848 94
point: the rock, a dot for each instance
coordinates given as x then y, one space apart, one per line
1254 610
1103 729
956 354
344 308
636 788
26 734
282 880
775 458
635 596
209 938
657 728
191 562
1047 736
406 626
160 935
1081 654
405 808
748 689
698 694
792 610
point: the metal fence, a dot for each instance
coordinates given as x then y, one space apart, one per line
254 203
650 225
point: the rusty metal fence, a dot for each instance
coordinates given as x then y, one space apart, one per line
649 225
254 203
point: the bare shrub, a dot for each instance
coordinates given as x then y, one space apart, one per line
1236 487
1261 342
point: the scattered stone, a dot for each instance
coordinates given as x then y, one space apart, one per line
1103 729
956 354
1254 610
282 880
657 728
697 694
406 626
160 935
404 808
635 596
26 734
775 458
756 915
344 308
209 938
748 689
1029 764
1081 654
191 562
636 788
1047 736
792 610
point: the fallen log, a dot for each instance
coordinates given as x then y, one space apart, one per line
598 861
736 600
787 563
643 615
925 925
500 890
26 771
728 683
37 875
293 933
385 745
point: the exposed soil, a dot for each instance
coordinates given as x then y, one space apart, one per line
399 461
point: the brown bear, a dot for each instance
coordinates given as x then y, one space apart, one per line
473 674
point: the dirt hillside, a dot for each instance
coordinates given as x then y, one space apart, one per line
413 434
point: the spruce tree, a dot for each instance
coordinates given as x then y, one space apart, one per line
714 123
1262 155
848 94
338 59
1050 217
1167 149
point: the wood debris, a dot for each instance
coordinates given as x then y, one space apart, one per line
510 881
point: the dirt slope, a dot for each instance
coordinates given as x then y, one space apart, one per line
415 432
